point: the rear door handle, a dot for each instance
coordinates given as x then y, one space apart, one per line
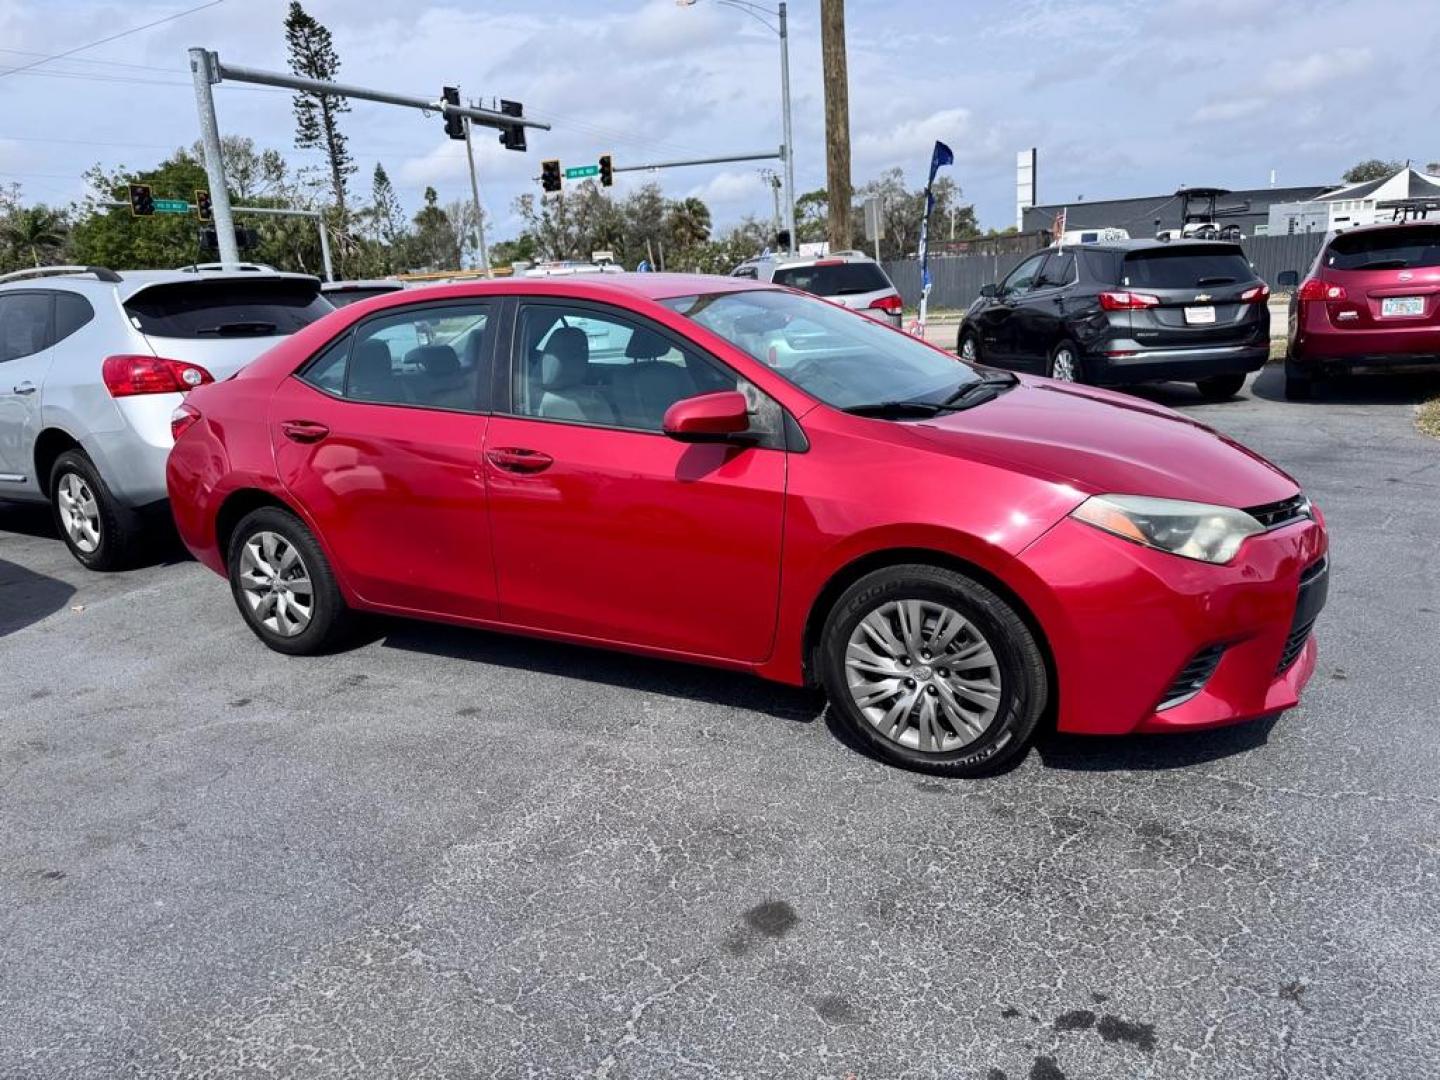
25 388
303 431
517 459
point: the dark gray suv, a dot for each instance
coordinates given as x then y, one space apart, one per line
1123 312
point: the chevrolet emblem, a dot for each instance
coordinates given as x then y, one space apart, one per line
1201 297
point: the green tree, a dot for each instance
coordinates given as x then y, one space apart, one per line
1371 169
386 215
36 233
317 126
433 245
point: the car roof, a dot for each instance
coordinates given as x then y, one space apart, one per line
1151 245
361 283
133 281
589 286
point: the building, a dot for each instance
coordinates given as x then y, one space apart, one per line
1144 216
1365 203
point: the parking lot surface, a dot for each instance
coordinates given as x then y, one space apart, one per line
447 853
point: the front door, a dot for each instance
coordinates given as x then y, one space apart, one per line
1039 318
998 321
379 439
27 321
606 528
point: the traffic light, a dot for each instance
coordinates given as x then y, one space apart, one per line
202 205
246 238
454 123
142 204
607 171
512 136
550 175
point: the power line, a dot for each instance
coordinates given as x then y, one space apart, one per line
101 63
112 37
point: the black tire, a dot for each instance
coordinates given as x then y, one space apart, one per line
1023 681
974 340
1299 385
117 529
330 621
1220 387
1055 362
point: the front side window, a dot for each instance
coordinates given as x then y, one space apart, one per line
25 324
1023 276
431 358
590 366
844 359
1059 270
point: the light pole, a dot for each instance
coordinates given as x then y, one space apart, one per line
763 15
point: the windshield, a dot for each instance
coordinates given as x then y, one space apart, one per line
842 358
1386 249
834 279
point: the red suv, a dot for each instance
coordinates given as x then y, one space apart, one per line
1372 300
735 474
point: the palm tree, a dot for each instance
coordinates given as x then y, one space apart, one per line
36 229
688 223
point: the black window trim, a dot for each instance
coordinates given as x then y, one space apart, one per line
503 389
50 341
484 381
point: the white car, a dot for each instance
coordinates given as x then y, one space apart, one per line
849 278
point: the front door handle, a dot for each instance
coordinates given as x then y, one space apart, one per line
517 459
26 387
304 431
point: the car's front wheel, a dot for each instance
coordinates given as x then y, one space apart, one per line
283 584
933 671
968 347
100 531
1220 387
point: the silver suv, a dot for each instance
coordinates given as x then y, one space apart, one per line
850 278
92 364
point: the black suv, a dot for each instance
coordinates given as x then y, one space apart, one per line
1127 311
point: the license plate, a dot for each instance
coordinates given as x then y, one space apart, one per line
1402 305
1199 316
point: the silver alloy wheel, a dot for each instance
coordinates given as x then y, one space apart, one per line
923 675
79 512
276 584
1062 367
968 352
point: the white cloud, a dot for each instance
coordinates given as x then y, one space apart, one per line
1316 69
1233 109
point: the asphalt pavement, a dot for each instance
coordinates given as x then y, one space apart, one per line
451 854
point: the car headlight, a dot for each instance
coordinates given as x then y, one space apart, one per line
1194 530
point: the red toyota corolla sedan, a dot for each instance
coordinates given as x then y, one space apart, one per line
733 474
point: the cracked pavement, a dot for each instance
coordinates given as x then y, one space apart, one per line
450 854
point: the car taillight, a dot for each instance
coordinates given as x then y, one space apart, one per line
1255 295
891 304
127 376
1127 301
182 420
1315 289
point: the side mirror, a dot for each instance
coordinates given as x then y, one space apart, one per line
990 290
1287 279
718 417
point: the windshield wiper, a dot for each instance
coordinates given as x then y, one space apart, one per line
982 390
1383 264
896 410
238 328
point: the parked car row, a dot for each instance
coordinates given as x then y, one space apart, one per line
717 470
1120 312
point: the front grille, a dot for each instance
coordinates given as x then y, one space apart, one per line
1272 515
1193 676
1294 644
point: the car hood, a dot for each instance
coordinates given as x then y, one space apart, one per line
1101 442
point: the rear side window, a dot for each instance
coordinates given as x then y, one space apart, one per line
72 311
1186 268
25 326
227 308
1102 266
1386 249
834 279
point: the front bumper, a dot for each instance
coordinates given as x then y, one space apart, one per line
1123 621
1179 365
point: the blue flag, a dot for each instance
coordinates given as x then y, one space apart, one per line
941 155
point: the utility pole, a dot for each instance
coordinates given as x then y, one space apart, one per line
789 138
475 196
204 77
837 120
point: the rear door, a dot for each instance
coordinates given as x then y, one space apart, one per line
1205 295
27 337
1390 279
222 322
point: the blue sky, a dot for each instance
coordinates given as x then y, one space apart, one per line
1121 98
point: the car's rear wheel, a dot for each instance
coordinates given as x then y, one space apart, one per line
933 671
1220 387
1299 384
1064 364
968 347
100 531
283 584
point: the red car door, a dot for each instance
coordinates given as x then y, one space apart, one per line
379 440
604 527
